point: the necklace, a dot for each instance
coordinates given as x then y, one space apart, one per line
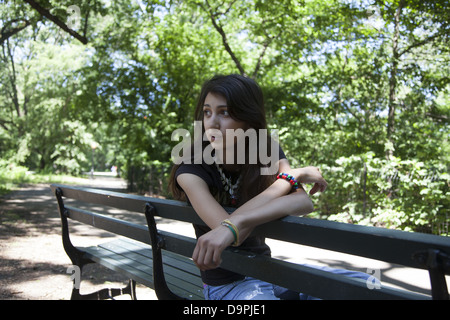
228 186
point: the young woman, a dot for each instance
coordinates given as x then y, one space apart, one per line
234 102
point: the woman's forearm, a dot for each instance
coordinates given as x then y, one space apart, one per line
276 201
278 189
297 203
281 188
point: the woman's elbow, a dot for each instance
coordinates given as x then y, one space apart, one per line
304 203
310 206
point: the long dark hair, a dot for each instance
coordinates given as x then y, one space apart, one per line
245 102
244 98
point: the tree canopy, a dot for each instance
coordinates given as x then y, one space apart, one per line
358 88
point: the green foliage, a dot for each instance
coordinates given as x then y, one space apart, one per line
401 194
12 176
360 90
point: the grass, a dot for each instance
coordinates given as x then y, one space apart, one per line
12 177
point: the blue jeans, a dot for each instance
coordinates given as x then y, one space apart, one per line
253 289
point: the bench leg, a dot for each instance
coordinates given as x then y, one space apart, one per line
161 289
108 293
438 264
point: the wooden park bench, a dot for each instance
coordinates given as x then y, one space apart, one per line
161 259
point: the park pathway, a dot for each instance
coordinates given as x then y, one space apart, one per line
33 263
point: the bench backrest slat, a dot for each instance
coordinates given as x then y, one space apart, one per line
104 222
315 282
392 246
388 245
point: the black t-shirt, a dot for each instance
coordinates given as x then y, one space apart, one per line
254 244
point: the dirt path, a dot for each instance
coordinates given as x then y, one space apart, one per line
33 263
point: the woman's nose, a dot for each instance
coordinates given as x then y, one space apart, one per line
214 121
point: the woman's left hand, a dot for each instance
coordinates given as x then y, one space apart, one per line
208 251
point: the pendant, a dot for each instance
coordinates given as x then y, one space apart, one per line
228 186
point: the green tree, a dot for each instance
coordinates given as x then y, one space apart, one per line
39 81
360 89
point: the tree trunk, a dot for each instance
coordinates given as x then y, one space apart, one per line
393 81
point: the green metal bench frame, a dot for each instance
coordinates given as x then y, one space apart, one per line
415 250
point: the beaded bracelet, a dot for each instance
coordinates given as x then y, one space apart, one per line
233 230
289 178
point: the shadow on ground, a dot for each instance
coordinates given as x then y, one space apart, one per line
33 263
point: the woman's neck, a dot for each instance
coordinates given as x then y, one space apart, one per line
232 168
